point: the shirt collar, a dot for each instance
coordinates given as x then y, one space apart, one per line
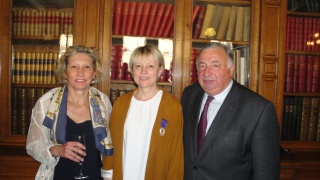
221 96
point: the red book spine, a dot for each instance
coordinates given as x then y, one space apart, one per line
288 32
315 74
309 30
303 74
152 16
314 31
309 74
296 31
172 32
293 33
131 15
296 73
117 17
318 45
144 18
289 72
165 18
305 33
124 16
195 12
158 19
300 34
137 18
169 25
199 22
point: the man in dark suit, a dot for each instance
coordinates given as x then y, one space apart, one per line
241 133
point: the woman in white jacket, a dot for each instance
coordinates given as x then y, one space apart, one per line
77 108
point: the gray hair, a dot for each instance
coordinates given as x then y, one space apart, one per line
213 45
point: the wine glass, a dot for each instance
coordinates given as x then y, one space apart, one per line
82 140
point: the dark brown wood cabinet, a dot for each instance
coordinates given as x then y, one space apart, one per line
302 159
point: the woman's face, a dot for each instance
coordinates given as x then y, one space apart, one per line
80 71
146 71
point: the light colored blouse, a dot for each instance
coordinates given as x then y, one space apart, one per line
137 134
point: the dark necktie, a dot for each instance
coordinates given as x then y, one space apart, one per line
202 126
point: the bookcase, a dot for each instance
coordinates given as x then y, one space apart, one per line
226 22
300 121
133 24
28 53
300 115
93 25
36 37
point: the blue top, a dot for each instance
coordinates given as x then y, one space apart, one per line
67 169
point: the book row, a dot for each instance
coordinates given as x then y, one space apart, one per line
22 102
230 23
302 73
301 119
42 22
311 6
34 68
132 18
301 34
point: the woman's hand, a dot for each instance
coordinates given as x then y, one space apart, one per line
72 150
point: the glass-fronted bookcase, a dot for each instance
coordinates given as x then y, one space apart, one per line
301 101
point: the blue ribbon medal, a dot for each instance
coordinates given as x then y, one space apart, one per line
164 124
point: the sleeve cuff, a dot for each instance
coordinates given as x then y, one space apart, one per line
107 173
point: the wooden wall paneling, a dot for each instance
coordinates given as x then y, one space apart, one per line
182 45
5 53
255 45
87 23
106 45
18 167
271 54
291 170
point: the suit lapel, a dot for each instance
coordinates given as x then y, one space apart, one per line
224 115
194 128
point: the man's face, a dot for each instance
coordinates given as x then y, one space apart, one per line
213 72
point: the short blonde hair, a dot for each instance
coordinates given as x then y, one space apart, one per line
147 50
64 60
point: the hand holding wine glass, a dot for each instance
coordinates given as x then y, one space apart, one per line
80 139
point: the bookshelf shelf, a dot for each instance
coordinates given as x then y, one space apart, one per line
302 52
17 85
210 40
44 38
301 94
147 37
294 13
131 82
301 145
247 2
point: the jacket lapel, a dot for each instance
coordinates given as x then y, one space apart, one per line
197 107
224 115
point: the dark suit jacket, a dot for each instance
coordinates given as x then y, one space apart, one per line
242 142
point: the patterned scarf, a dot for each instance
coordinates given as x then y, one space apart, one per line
56 119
